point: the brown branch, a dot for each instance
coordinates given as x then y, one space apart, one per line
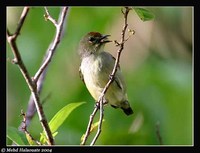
59 29
127 9
24 128
121 44
87 133
21 21
48 17
31 84
100 101
158 133
100 120
41 73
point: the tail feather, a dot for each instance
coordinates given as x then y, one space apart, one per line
125 106
127 111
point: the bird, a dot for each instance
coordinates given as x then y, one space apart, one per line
95 70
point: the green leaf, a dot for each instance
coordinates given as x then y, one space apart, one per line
30 141
16 136
144 14
60 117
43 138
54 134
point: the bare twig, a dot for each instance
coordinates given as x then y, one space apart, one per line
100 121
158 133
54 44
24 128
41 73
127 9
21 22
100 101
48 16
31 84
89 125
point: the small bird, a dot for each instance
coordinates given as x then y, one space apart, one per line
96 68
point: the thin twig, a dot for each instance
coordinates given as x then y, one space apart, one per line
24 128
127 9
100 122
31 84
89 125
48 17
54 44
21 21
41 73
100 101
158 133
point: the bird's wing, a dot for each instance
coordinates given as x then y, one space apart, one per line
119 79
115 60
81 75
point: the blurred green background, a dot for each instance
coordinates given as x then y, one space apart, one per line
156 62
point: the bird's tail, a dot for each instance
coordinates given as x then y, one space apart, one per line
127 111
125 106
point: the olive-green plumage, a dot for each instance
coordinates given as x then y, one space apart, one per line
96 67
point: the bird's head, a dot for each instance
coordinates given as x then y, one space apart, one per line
92 43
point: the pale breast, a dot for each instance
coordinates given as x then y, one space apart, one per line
91 69
95 79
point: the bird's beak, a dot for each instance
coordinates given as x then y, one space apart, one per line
104 39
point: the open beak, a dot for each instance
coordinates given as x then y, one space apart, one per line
104 39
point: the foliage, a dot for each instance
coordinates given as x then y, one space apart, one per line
59 118
144 14
18 137
156 62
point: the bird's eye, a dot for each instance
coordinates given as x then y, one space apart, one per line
91 39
